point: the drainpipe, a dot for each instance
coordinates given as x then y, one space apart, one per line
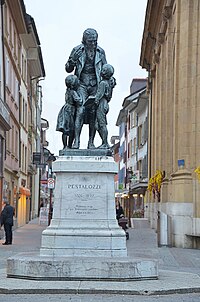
3 51
4 95
150 123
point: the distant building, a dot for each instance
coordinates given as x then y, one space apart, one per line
115 150
133 132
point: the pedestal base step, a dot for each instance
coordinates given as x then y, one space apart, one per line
36 267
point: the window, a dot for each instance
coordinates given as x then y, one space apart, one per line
7 71
8 140
16 144
20 154
20 107
25 116
25 159
10 32
134 146
25 71
16 91
23 112
129 123
129 149
133 120
15 45
19 54
13 140
139 135
140 166
6 18
24 68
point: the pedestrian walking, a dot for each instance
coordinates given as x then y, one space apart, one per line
6 219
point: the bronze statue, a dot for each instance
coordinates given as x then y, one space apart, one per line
86 60
102 98
66 116
93 92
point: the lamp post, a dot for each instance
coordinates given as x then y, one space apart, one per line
48 159
51 158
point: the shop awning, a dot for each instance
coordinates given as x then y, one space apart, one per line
24 191
139 187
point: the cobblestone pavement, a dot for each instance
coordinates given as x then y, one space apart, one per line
179 269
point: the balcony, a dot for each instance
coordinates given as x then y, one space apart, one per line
4 115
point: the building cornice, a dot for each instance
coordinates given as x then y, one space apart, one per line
158 13
18 12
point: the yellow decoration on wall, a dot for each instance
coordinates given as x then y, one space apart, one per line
154 184
197 171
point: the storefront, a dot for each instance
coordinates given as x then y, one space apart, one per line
137 191
23 206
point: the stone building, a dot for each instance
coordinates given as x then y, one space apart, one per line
170 53
4 109
21 70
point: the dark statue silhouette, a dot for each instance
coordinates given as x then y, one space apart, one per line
88 93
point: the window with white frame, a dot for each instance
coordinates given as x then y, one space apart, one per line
140 135
7 70
134 142
133 119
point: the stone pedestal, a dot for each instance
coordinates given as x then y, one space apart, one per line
83 241
84 218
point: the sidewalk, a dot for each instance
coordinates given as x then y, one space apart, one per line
179 269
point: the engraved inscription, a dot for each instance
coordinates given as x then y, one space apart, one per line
85 210
82 210
83 198
81 186
86 196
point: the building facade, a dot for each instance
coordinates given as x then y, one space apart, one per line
169 52
12 29
21 72
4 109
133 129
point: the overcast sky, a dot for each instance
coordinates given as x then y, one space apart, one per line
60 25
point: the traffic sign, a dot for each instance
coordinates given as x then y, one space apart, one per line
51 183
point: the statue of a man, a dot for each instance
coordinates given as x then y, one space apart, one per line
86 60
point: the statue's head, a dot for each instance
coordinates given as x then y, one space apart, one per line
90 37
71 81
107 71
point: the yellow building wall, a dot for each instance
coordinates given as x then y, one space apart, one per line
175 123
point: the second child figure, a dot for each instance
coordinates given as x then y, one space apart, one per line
102 98
66 116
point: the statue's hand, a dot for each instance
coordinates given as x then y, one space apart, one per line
79 102
77 54
96 103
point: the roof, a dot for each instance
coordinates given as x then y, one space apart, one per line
137 84
121 117
133 97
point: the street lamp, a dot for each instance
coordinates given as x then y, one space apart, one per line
49 161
